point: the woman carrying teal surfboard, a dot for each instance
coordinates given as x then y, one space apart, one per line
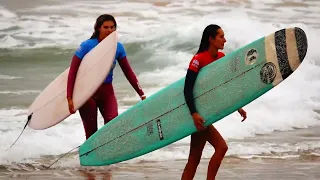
212 40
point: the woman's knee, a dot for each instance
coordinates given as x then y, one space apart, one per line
222 148
110 110
194 159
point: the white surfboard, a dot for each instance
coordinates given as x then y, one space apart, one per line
51 106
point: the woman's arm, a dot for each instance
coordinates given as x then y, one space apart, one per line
188 90
130 75
75 63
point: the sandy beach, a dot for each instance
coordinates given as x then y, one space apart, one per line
302 165
255 169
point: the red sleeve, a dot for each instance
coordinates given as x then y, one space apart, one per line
128 72
195 65
75 63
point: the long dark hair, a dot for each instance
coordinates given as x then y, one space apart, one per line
100 20
210 31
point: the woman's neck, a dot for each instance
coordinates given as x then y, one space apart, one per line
213 52
100 39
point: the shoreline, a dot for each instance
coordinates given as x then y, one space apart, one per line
287 165
231 168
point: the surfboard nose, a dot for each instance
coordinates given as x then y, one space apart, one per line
302 43
291 48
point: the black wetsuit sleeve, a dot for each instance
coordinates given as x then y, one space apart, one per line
188 90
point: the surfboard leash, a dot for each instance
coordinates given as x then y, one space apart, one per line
61 157
29 118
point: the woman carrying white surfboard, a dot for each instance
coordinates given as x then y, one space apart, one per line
104 98
212 40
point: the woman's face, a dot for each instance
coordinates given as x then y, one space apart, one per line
106 28
219 40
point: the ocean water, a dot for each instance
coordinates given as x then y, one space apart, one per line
38 39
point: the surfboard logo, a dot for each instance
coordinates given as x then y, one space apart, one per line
160 129
251 56
234 64
268 73
149 129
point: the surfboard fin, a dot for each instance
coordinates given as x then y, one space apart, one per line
29 118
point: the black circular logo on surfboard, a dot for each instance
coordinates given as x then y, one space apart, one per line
268 73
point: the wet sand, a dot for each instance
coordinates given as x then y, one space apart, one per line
232 168
302 165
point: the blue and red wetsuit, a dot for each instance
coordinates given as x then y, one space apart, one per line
104 98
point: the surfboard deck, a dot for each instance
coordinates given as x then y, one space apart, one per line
221 88
51 105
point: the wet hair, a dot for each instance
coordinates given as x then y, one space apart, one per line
210 31
100 20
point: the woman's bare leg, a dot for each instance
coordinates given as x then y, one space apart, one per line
198 140
220 146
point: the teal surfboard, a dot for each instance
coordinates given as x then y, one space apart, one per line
221 88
